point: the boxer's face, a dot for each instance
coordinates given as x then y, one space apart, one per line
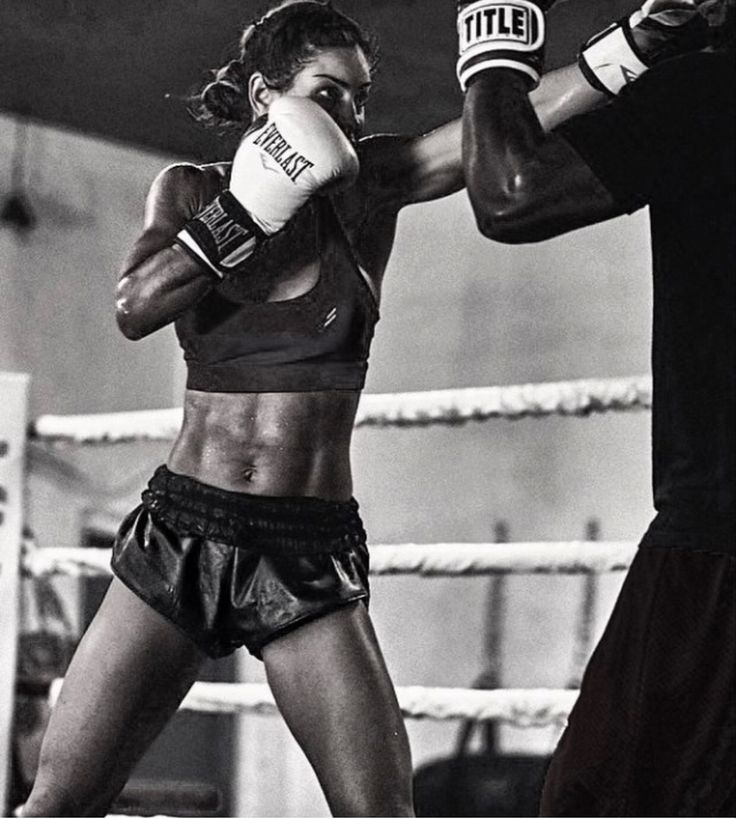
339 80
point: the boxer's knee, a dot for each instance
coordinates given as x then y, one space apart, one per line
53 795
51 800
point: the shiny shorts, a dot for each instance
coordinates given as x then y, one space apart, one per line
231 569
653 732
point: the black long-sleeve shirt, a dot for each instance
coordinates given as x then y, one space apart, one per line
668 141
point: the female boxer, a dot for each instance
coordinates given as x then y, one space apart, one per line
270 268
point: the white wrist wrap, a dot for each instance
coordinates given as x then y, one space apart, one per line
609 61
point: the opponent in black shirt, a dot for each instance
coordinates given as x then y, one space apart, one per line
654 730
668 141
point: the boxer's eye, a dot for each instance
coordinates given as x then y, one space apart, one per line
329 94
361 100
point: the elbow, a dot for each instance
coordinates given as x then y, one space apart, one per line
502 219
129 326
128 315
516 210
500 196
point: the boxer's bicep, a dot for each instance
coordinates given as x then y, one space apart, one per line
562 94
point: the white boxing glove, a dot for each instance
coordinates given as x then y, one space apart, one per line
298 152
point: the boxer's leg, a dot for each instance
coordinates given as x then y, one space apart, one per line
127 678
332 687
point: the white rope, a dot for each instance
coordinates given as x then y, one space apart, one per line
463 559
525 707
580 397
70 562
428 560
114 427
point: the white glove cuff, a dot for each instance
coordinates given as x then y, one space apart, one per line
610 62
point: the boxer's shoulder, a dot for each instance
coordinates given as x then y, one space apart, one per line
379 156
186 187
186 176
384 162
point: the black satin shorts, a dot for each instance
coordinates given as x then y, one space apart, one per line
231 569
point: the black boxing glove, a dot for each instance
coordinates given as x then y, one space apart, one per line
660 29
501 34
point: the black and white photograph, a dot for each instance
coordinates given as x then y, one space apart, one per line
368 408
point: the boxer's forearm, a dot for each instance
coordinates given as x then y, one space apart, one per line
502 136
562 94
524 185
157 290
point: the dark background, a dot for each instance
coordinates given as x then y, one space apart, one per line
105 67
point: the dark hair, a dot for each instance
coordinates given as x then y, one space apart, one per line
278 45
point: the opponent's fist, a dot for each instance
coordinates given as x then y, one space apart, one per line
297 152
660 29
501 34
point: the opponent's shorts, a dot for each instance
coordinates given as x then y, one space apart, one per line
653 732
232 569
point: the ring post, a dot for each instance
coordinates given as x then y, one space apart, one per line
13 402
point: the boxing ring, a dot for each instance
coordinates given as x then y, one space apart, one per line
516 706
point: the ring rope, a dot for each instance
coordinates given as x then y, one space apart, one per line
428 560
581 397
524 707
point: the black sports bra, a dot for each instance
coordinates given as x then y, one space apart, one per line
236 340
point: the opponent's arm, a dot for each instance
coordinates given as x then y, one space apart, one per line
525 185
186 249
410 169
405 170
